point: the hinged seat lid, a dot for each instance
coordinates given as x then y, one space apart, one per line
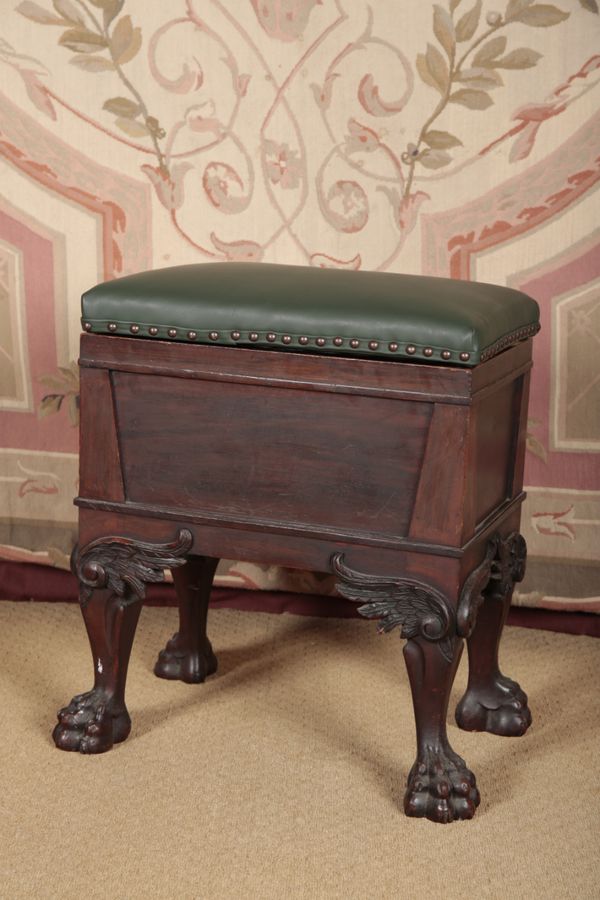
377 314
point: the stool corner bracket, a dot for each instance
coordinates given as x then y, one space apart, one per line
124 565
419 609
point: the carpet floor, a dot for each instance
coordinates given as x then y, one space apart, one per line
283 775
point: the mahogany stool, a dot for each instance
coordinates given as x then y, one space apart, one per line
366 424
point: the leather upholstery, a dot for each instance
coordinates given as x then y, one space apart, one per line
321 310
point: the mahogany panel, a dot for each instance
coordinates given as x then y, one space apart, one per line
438 511
99 462
494 429
330 460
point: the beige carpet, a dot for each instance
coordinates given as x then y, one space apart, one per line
282 776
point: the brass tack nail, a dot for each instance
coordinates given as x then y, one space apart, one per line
410 349
373 345
286 339
134 329
253 336
112 326
320 342
303 340
338 341
192 335
393 346
213 335
354 343
465 356
271 337
172 332
428 351
87 326
446 354
235 335
153 330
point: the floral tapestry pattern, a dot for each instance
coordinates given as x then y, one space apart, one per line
459 138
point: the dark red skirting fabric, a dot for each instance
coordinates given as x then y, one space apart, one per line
26 581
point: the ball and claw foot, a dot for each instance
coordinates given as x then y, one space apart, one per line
91 724
500 709
440 787
178 663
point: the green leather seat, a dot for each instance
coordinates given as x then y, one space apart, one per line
377 314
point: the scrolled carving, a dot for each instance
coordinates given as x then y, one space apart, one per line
419 609
509 565
472 594
124 566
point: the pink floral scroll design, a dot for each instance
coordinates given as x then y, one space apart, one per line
284 19
198 134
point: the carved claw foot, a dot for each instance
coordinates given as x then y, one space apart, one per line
500 708
178 662
441 787
91 724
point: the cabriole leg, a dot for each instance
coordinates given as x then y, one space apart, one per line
112 573
189 656
94 721
493 702
440 786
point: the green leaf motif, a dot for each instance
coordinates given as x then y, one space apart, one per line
484 79
443 28
122 106
111 8
521 58
441 140
126 40
542 15
489 51
590 5
434 159
514 8
92 63
433 69
37 13
69 12
471 98
454 4
467 24
50 404
132 127
82 40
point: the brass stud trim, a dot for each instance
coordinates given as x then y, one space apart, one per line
134 329
464 356
338 341
172 332
235 335
213 335
253 336
354 343
303 340
271 336
446 354
428 351
373 345
320 342
192 335
410 349
112 326
153 330
286 339
393 347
